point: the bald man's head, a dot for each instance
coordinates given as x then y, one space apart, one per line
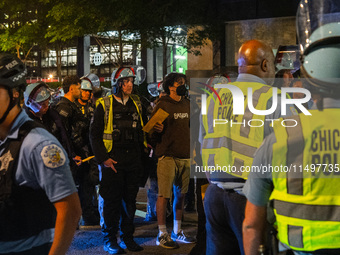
257 58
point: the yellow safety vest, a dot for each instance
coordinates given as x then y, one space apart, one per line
225 146
306 199
106 102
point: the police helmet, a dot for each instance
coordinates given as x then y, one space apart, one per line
287 58
36 93
93 79
318 25
85 85
140 73
12 75
160 87
153 89
12 72
118 75
217 79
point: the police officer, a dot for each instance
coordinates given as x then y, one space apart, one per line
36 104
84 102
200 247
231 146
306 196
117 141
80 133
87 174
69 113
39 205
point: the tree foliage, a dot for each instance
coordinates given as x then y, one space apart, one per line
22 25
169 22
73 18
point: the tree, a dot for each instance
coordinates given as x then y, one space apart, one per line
22 25
173 22
95 18
151 23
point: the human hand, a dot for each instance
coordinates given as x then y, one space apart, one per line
110 163
78 160
158 127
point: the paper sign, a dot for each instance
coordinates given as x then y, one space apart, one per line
158 117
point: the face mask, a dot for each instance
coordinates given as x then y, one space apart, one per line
181 90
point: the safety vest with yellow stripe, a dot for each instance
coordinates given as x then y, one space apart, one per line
231 140
306 199
107 103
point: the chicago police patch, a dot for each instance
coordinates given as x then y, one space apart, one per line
53 156
63 113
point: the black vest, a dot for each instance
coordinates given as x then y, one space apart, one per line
81 129
52 122
24 212
127 130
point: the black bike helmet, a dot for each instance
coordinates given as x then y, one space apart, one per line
12 72
12 75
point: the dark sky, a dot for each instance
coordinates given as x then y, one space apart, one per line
252 9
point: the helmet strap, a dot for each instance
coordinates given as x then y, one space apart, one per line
122 96
10 106
319 103
120 93
84 101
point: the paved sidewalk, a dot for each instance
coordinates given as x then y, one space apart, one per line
88 240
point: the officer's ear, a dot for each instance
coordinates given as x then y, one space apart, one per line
72 87
16 94
264 65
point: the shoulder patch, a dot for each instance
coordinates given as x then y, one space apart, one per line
53 156
63 113
4 162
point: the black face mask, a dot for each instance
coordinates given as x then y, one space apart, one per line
181 90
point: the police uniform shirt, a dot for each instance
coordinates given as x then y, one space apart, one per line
87 110
290 110
43 163
259 186
68 112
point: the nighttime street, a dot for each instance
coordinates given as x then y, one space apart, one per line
196 127
89 240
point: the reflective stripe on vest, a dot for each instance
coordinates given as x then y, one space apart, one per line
215 143
307 203
295 146
225 145
245 130
107 102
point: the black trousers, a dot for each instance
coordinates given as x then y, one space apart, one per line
119 191
87 178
